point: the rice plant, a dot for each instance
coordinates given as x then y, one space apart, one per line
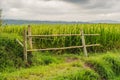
109 35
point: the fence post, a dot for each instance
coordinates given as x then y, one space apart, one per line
25 46
83 43
30 38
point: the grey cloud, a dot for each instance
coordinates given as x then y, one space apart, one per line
77 1
72 1
94 4
100 4
60 9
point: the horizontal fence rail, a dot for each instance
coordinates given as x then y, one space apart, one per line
70 47
59 35
28 37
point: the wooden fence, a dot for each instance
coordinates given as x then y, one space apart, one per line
28 37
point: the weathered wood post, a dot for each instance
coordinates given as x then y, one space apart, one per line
30 45
83 43
25 46
30 38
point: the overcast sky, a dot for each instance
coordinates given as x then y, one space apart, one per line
63 10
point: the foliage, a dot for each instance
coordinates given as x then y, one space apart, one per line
101 67
114 61
45 59
10 52
83 74
109 35
58 67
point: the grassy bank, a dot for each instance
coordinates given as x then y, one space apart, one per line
71 67
11 53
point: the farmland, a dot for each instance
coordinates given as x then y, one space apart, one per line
103 62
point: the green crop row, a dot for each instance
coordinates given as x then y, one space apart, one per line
109 35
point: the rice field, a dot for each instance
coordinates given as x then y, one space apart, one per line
109 35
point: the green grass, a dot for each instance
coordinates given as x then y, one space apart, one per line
78 68
62 64
114 62
11 52
101 67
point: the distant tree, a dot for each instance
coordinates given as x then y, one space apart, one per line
0 17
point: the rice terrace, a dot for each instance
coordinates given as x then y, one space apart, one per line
56 45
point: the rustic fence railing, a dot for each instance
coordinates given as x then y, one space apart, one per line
28 37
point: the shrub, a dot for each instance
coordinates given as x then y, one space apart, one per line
11 53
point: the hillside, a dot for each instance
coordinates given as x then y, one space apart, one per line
12 21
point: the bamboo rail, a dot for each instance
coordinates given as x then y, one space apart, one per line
59 35
19 42
70 47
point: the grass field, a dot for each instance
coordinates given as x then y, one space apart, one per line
70 67
103 62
